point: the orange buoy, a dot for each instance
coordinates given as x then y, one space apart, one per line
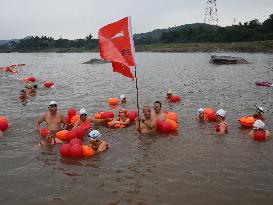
173 124
172 116
98 115
87 151
247 121
61 135
113 101
74 119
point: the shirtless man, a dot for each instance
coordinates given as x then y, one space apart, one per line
147 124
53 119
158 114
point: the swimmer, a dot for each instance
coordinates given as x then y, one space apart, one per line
53 119
122 99
147 124
23 96
259 128
169 94
97 144
122 119
84 121
222 127
201 115
33 90
158 114
259 113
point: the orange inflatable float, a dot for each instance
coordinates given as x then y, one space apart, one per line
74 119
113 101
61 135
87 151
172 116
247 121
173 125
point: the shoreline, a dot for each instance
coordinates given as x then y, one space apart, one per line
239 47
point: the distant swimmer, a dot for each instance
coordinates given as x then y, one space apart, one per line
84 121
33 90
222 127
147 124
201 115
259 113
97 144
122 99
158 113
23 97
169 94
259 132
53 119
122 120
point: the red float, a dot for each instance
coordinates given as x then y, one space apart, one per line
105 115
70 135
132 116
80 132
32 79
211 116
4 124
163 126
259 135
48 84
65 150
71 112
44 132
75 141
175 99
76 151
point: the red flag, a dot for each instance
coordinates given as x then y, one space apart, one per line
123 69
116 45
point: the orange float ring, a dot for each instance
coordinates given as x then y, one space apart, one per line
61 135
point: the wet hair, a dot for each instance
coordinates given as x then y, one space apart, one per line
23 91
158 103
35 86
147 106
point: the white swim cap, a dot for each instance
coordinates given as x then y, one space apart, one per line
258 124
169 91
52 103
83 111
200 111
221 113
122 97
261 109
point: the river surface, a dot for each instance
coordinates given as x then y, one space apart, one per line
187 167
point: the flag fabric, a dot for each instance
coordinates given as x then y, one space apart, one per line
116 45
122 69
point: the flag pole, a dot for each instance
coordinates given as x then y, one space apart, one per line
137 102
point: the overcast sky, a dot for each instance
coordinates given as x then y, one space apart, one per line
77 18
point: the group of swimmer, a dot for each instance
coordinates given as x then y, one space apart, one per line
23 97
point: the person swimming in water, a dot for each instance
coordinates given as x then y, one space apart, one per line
201 115
169 94
222 127
53 119
147 124
23 97
84 121
121 120
122 99
97 144
259 113
33 90
259 131
158 113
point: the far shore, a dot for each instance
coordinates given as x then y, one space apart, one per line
251 47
